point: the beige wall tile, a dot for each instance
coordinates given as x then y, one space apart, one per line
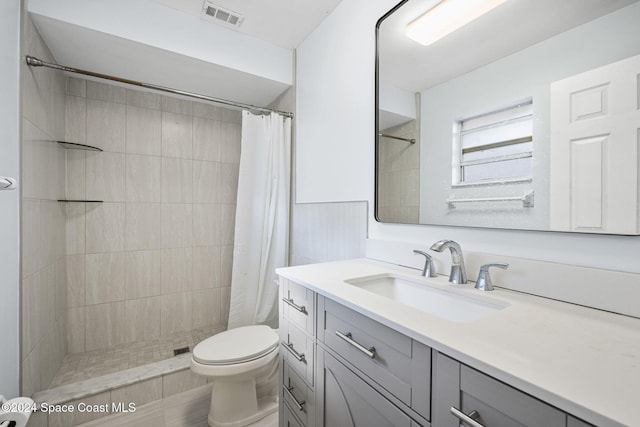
141 393
75 227
206 182
177 135
176 105
106 176
149 415
105 227
76 317
177 225
228 224
62 419
105 325
230 143
75 129
32 309
76 179
106 92
226 264
142 274
106 125
75 280
76 87
177 270
31 252
143 178
207 308
143 321
225 298
206 139
206 267
105 277
206 224
207 111
144 130
229 183
177 180
175 313
143 223
181 381
142 99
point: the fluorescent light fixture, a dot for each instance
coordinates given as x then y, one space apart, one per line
446 17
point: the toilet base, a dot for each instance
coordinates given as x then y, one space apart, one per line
231 408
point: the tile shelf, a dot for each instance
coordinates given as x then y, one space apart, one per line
76 146
79 201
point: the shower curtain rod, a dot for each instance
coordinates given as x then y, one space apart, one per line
35 62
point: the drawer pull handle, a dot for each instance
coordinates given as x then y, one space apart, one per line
299 356
301 308
471 419
295 401
370 352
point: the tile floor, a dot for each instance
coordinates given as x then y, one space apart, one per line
82 366
187 409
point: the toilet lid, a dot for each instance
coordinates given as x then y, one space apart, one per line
236 345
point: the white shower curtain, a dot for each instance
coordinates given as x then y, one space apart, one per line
262 219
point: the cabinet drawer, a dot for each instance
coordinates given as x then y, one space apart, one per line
460 388
288 419
501 405
298 396
297 349
349 401
391 359
297 305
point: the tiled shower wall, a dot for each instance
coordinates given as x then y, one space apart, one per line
155 257
399 175
43 275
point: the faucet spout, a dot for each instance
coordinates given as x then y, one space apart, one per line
458 272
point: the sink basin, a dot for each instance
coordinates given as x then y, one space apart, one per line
446 304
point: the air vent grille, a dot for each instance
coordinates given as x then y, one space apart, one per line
221 15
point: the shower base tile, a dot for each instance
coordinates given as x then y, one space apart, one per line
84 366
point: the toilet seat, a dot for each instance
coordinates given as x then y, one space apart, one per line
235 346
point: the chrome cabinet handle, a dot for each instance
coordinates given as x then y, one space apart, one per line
299 356
295 401
301 308
471 419
370 352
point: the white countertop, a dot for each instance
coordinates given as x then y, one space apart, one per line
583 361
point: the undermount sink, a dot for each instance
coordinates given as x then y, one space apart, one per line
420 294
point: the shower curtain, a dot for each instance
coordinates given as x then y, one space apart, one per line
262 219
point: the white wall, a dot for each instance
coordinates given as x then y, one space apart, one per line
10 12
336 145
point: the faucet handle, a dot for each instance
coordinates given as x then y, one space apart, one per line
429 269
484 278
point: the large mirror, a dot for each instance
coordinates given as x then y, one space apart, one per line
524 114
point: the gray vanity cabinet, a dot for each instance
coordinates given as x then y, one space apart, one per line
489 402
340 368
348 401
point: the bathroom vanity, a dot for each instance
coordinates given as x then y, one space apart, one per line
361 345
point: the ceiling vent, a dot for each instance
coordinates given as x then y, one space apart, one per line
221 15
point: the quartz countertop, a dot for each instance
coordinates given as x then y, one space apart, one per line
584 361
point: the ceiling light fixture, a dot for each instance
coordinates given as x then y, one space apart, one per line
447 17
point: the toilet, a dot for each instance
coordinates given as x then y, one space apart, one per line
242 364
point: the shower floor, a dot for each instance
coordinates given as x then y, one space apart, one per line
82 366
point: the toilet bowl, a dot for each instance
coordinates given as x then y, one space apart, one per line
242 365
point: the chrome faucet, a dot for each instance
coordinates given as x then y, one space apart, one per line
429 269
458 273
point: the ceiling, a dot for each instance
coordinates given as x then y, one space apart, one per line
169 43
285 23
406 64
